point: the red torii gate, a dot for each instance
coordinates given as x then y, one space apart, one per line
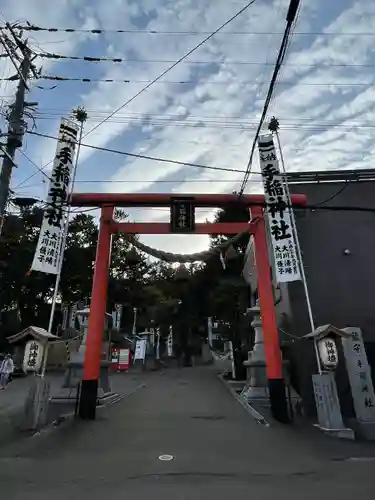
107 202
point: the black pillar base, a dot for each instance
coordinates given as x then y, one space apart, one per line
279 405
87 400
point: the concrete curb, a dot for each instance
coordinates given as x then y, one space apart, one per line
120 397
260 419
65 418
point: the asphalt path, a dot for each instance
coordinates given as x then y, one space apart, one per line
180 434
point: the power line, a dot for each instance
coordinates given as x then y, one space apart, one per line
161 181
34 164
118 60
290 18
222 126
31 27
132 114
236 120
334 196
185 56
59 78
144 157
308 207
151 181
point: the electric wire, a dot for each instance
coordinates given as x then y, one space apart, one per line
119 60
34 164
306 208
34 27
161 75
62 79
292 12
172 66
334 196
145 157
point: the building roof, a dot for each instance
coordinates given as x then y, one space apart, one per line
362 174
324 331
36 332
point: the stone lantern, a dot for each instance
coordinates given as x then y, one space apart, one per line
327 401
256 389
257 383
74 371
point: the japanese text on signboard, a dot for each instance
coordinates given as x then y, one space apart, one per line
49 249
182 216
33 355
362 370
331 351
278 211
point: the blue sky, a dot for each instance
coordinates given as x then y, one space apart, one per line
324 99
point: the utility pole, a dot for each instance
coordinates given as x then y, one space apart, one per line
16 130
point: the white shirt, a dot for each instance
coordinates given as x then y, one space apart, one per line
7 366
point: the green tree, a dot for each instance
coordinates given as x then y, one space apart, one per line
20 291
79 258
235 211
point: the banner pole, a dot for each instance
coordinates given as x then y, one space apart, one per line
299 251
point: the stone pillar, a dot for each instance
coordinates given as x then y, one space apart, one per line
359 374
36 405
328 406
257 383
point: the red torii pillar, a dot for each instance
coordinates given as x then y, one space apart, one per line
89 387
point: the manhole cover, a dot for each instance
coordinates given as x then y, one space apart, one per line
165 458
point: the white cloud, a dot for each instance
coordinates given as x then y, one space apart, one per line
211 120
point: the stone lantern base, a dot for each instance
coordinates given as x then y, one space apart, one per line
257 383
67 397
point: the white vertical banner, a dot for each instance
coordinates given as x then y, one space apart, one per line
170 342
152 336
231 357
117 323
209 328
65 316
134 329
278 213
73 315
158 343
48 250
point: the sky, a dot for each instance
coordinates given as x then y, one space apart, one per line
207 108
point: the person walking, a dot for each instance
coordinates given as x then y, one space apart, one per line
6 369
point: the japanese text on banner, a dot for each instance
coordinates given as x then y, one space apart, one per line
361 376
48 250
278 212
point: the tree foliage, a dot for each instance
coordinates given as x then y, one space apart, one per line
161 296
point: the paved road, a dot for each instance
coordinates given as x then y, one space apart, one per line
13 398
218 451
